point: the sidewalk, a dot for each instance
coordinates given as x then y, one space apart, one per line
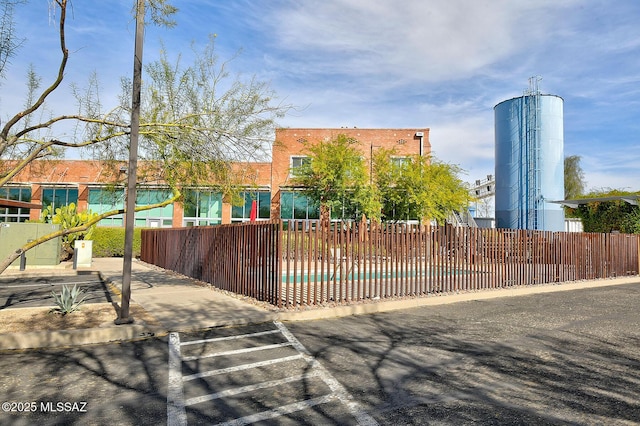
178 303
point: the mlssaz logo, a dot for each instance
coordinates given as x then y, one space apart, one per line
66 407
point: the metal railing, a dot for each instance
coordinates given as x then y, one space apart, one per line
301 263
240 258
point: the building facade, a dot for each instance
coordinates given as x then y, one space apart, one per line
99 186
287 202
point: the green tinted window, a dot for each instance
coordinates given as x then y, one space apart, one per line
294 205
243 212
58 197
202 208
15 214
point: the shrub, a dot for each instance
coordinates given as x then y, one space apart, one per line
68 301
109 242
69 217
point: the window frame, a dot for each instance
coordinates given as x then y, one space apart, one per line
214 214
293 159
264 206
20 214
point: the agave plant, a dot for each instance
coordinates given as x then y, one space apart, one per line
68 300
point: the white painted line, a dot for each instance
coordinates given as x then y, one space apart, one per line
219 339
340 392
241 367
176 414
249 388
237 351
280 411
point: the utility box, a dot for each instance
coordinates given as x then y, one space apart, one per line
15 235
83 253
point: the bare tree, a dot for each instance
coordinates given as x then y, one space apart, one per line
193 123
9 41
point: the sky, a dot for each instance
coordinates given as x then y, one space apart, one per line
437 64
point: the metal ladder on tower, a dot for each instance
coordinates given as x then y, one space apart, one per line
532 154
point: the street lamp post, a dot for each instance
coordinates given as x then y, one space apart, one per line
124 317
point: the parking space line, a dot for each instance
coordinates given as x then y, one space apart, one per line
241 367
236 351
220 339
176 404
279 411
176 414
249 388
341 393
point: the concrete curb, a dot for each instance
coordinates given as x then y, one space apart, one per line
86 336
58 272
232 322
103 333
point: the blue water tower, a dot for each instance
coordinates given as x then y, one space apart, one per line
529 135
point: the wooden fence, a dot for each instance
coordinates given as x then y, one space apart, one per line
300 263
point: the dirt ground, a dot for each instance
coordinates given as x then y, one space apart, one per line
89 316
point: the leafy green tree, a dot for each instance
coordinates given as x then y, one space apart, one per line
608 216
574 185
194 121
418 187
400 188
634 221
336 174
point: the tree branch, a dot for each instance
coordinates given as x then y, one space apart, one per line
70 117
63 63
62 232
24 163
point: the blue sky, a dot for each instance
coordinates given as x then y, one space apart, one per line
387 63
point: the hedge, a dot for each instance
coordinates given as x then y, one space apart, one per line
109 242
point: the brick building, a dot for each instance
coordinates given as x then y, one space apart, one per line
289 152
100 186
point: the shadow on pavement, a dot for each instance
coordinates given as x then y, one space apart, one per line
498 362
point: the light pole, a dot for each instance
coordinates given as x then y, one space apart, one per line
124 317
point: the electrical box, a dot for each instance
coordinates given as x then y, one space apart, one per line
15 235
83 253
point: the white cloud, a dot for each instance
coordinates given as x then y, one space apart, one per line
389 63
416 40
606 168
467 142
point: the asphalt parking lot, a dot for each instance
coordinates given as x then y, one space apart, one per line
558 358
561 358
